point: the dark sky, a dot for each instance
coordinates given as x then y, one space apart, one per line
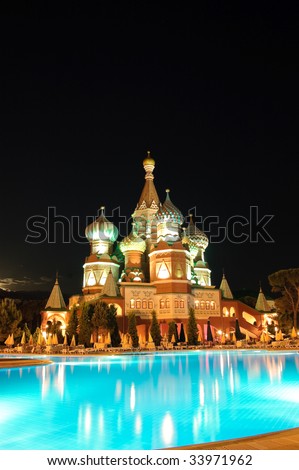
212 93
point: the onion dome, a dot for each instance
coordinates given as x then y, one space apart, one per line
196 236
168 212
193 248
101 229
149 161
132 242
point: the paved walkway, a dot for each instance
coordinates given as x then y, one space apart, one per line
283 440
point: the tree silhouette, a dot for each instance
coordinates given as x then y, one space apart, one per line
113 326
132 329
286 283
99 317
10 317
155 329
192 328
85 326
72 326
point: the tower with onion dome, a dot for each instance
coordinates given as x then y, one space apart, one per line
101 235
168 221
147 206
170 263
133 247
197 242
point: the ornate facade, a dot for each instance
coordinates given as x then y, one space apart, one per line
160 265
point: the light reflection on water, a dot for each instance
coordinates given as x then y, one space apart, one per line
148 401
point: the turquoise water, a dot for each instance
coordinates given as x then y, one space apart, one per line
148 401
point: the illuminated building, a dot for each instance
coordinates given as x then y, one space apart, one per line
55 309
160 265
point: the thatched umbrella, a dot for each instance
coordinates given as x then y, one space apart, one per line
294 333
199 336
23 339
7 341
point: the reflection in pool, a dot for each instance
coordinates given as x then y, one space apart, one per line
148 401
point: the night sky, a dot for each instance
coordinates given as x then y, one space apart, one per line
213 94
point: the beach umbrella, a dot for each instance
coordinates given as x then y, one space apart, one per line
209 332
262 337
267 337
49 340
150 338
278 335
223 338
11 342
199 336
140 339
30 342
40 339
23 339
234 339
54 339
172 339
108 338
91 339
247 336
294 333
186 337
65 340
7 340
73 342
125 339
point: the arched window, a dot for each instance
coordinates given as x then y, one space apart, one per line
132 303
144 304
232 312
150 304
225 312
138 303
182 304
167 303
162 303
196 303
207 305
202 305
213 305
176 303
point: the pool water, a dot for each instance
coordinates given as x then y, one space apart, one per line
148 401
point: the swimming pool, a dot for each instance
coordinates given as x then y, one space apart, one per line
148 401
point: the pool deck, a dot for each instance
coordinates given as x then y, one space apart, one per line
282 440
